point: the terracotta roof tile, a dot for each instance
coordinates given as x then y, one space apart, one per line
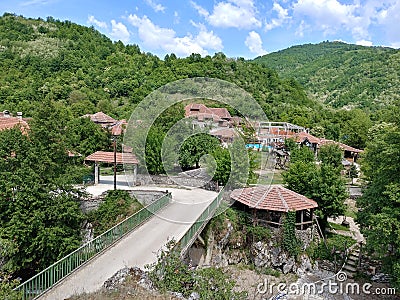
11 122
273 198
101 118
122 158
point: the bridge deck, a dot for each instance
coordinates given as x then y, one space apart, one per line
140 246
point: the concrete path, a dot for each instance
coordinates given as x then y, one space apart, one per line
140 247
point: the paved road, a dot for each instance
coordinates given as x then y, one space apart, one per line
140 246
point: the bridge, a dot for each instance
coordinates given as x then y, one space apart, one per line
180 215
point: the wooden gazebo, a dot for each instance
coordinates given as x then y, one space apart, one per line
269 203
108 157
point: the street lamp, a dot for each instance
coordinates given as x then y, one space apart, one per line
115 161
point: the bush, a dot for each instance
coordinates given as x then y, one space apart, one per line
170 273
117 206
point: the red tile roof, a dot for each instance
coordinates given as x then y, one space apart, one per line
119 127
301 136
224 133
122 158
11 122
101 118
273 198
341 145
194 109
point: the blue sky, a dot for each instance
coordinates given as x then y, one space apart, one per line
239 28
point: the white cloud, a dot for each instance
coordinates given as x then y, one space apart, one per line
155 6
330 16
231 14
92 20
200 10
254 43
119 31
206 38
364 43
37 2
388 16
156 37
282 17
176 18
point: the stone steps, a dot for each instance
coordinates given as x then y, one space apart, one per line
351 266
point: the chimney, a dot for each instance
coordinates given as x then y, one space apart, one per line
19 115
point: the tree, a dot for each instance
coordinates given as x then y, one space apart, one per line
40 216
322 183
85 137
154 162
331 154
353 173
379 214
194 147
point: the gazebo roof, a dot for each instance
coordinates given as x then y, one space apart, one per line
108 157
272 198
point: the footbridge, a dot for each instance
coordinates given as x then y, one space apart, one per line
180 215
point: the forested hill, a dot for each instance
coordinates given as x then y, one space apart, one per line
341 75
84 70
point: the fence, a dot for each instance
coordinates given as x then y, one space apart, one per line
187 240
47 278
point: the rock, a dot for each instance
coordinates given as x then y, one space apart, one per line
224 241
288 266
381 277
118 278
278 257
194 296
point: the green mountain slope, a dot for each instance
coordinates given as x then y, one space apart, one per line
341 75
85 71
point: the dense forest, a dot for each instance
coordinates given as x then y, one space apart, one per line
340 74
84 71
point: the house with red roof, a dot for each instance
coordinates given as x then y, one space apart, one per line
204 116
105 121
7 121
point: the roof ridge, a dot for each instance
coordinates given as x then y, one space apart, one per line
282 198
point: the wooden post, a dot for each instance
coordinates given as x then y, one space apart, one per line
96 173
301 219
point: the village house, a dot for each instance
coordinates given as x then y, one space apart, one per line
116 127
7 121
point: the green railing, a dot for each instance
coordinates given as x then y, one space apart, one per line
47 278
199 224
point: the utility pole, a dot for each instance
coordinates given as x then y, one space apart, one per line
115 162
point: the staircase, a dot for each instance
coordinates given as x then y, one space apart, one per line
351 264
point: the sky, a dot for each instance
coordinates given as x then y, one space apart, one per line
238 28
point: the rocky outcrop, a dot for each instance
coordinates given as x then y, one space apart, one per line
266 255
230 248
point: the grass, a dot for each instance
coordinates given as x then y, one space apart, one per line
350 212
338 226
271 178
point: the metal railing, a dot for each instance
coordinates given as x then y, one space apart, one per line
190 235
43 281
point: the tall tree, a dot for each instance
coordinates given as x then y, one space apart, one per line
39 214
379 214
322 183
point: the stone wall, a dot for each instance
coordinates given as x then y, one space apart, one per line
178 180
145 197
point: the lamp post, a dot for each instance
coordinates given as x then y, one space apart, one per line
115 161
